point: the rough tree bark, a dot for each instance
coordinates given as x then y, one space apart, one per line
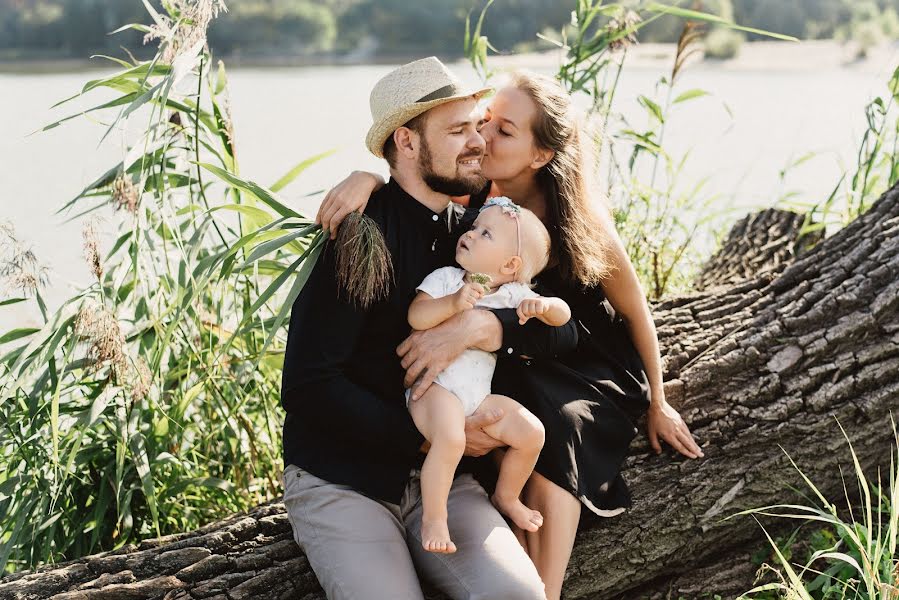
771 360
759 244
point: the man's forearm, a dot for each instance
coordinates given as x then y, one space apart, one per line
485 331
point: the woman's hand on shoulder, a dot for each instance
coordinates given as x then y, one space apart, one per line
663 421
350 195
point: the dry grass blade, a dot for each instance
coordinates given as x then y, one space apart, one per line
364 266
686 46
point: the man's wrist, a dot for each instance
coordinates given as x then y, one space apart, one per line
486 330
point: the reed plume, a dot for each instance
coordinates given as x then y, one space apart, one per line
364 266
19 267
99 328
124 194
92 249
185 27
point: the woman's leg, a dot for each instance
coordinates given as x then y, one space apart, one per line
439 417
550 546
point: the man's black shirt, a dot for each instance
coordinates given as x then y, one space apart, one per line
342 383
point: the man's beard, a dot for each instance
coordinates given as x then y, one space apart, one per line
451 186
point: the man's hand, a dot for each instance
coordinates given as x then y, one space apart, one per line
478 443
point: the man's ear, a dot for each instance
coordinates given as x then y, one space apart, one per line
406 141
542 157
511 266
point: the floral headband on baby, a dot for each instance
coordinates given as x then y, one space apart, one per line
510 208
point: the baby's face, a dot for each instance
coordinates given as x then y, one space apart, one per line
489 244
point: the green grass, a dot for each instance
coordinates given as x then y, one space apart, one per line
148 403
853 552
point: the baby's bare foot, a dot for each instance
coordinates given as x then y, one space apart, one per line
435 537
521 515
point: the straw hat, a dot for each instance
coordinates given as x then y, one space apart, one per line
407 92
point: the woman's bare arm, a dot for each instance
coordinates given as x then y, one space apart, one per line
625 293
350 195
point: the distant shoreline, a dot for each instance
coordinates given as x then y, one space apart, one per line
763 55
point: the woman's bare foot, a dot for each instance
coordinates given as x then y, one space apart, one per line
521 515
435 537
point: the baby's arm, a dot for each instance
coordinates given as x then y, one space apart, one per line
552 311
426 312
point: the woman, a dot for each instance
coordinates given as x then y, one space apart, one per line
589 400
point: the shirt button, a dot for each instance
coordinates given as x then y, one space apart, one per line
434 218
508 351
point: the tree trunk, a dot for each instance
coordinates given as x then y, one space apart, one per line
758 244
774 360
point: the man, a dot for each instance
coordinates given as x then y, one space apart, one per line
351 450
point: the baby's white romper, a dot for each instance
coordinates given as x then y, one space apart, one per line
469 376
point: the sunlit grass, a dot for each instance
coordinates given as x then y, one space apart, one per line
861 563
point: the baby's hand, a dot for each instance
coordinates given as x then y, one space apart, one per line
532 307
467 296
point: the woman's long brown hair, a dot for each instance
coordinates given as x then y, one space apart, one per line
579 239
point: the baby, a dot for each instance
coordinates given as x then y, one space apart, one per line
505 248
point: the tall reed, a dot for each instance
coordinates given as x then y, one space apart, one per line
148 403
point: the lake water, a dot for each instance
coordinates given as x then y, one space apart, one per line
283 115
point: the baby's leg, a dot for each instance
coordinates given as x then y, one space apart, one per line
439 417
524 433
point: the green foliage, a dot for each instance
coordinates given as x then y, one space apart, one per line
869 26
274 26
876 169
723 44
146 405
853 554
397 27
68 27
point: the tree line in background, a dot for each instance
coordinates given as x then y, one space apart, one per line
394 28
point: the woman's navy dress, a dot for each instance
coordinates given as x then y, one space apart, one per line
589 400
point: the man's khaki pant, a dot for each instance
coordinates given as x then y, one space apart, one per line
365 549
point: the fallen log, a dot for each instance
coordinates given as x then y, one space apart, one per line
768 361
759 244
